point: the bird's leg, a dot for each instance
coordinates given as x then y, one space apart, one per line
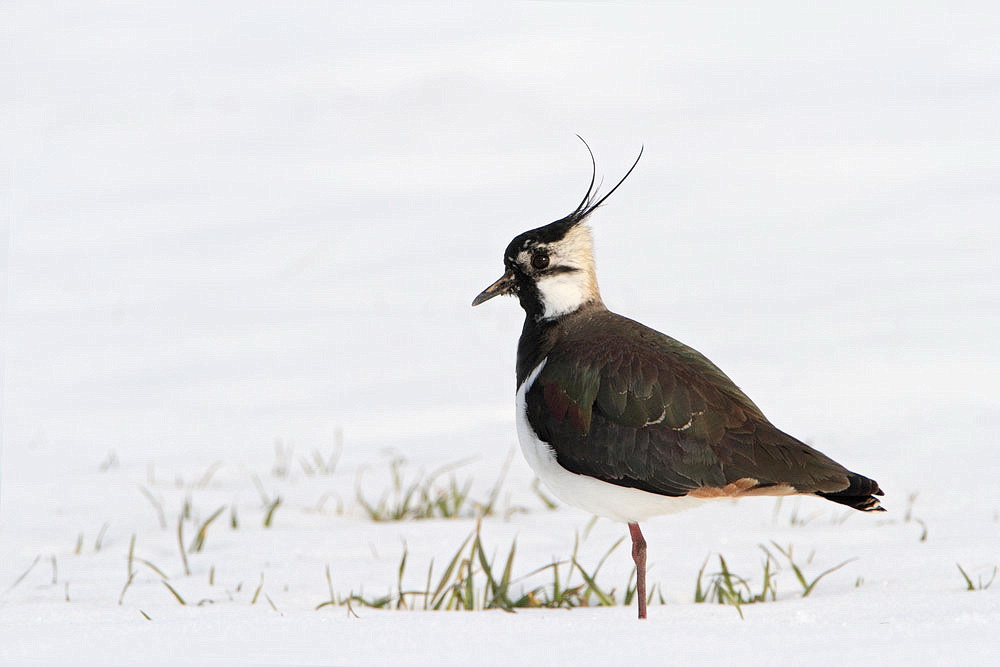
639 557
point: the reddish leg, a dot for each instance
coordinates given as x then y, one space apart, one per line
639 556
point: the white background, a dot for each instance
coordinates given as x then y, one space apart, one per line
230 224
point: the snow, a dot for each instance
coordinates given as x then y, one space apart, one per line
227 227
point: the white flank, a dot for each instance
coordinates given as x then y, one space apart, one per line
592 495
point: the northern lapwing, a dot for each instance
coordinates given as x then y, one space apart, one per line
627 423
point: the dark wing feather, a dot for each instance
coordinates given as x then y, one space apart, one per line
630 406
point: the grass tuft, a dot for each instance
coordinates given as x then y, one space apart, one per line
256 593
726 587
174 592
333 596
24 575
198 543
979 584
270 504
99 540
160 573
908 517
317 464
269 516
428 497
807 584
157 505
474 580
130 569
549 504
206 478
180 544
282 459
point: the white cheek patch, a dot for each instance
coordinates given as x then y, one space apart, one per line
563 292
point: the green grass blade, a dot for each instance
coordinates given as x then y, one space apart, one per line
969 586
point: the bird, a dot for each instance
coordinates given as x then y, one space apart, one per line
626 422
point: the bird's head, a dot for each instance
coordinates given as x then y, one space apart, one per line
551 269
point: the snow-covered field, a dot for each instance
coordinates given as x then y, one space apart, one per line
243 236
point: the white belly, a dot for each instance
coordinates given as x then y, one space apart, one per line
592 495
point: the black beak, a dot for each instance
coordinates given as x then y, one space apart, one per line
503 286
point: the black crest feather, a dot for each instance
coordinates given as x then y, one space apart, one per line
590 202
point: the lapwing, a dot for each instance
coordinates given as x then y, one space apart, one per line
627 423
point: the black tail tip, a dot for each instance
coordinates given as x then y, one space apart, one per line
860 494
865 503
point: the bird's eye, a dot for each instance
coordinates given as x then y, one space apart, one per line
540 261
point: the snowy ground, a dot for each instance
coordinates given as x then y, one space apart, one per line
231 225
